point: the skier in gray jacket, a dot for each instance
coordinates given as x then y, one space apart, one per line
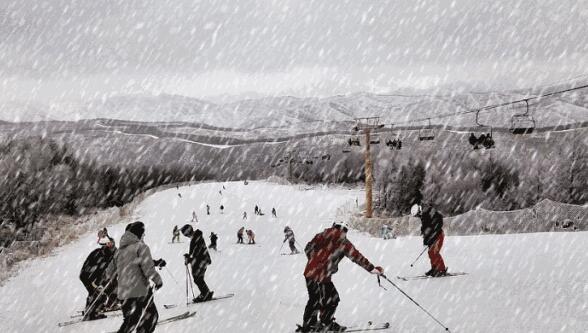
135 269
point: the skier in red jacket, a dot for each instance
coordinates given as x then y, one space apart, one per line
324 252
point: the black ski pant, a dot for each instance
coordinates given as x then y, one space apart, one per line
240 239
292 244
323 299
198 273
139 312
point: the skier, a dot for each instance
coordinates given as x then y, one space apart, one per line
256 210
199 259
93 276
220 192
135 267
433 236
250 236
222 208
180 195
240 235
176 234
194 217
207 210
274 213
244 215
213 239
324 252
289 236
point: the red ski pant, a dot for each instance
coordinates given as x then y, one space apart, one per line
437 262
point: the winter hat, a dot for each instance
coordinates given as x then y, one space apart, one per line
187 230
416 209
341 224
136 228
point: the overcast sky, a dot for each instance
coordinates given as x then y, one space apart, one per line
84 48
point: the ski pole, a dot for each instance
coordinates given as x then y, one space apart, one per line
281 247
417 304
420 255
144 310
90 308
191 285
187 292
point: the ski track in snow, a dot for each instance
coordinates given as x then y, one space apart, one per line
516 283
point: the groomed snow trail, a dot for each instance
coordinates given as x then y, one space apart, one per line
516 283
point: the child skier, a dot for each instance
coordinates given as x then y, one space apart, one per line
240 235
176 234
289 236
433 236
199 259
213 239
324 252
250 236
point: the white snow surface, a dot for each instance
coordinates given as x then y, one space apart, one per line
516 283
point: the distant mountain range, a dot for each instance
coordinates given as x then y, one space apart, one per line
294 112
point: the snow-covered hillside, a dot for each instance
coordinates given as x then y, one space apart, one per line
516 283
294 112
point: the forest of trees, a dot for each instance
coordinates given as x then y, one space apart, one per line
40 176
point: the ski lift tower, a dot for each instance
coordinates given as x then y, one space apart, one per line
366 126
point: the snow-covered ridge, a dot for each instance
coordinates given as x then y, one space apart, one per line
288 111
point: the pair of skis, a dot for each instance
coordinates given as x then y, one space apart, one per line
369 327
423 277
168 320
171 306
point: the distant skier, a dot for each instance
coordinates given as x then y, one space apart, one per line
324 252
240 235
194 217
289 236
433 236
180 195
199 259
135 268
224 187
274 213
222 208
250 236
176 234
385 232
207 210
213 239
256 210
220 192
93 276
244 215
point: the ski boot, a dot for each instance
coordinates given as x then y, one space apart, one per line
437 273
430 272
334 327
203 298
316 327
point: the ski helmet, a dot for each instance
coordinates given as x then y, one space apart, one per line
341 224
416 210
187 230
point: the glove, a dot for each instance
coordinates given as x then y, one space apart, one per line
377 270
159 263
158 285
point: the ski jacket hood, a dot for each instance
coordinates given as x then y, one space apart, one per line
325 251
134 266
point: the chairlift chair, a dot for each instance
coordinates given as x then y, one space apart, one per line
485 139
522 123
427 133
354 141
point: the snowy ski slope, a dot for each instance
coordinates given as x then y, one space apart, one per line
516 283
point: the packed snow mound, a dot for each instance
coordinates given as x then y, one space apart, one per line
504 290
278 180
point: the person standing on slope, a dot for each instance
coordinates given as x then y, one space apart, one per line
274 213
93 276
213 239
135 269
176 234
433 236
199 259
324 252
250 236
289 236
240 235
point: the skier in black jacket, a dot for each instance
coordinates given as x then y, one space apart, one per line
199 259
213 239
433 236
93 276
